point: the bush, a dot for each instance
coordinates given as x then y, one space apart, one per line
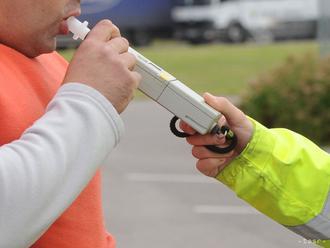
296 96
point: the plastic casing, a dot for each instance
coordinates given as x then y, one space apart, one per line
175 96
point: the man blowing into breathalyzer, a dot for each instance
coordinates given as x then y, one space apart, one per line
50 196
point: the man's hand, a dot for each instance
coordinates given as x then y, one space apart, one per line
102 62
210 163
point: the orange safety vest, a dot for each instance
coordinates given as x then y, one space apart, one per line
26 87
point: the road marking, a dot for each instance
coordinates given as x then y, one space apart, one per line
169 178
237 210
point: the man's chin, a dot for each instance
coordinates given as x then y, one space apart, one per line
46 47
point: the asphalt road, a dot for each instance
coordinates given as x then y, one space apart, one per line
155 198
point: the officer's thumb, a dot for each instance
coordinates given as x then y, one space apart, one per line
224 106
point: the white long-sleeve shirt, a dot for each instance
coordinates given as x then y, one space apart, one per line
45 170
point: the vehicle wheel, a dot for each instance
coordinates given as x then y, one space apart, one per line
236 33
198 41
141 38
202 39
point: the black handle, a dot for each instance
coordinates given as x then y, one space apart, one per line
230 136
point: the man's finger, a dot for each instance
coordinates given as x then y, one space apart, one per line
119 44
104 31
137 78
129 60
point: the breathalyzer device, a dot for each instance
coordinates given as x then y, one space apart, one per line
172 94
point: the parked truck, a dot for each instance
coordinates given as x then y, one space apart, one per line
238 20
140 21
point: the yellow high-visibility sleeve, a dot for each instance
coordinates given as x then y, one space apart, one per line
285 176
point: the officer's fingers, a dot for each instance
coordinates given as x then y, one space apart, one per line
104 31
129 60
119 44
208 139
222 121
211 167
186 128
201 152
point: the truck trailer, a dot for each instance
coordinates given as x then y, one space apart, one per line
140 21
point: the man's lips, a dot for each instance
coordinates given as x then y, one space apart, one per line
64 29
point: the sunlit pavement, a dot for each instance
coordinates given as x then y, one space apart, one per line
155 198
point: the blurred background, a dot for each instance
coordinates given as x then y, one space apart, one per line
270 57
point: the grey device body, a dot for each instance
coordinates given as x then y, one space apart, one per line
165 89
175 96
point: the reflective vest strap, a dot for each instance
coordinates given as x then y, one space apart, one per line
318 228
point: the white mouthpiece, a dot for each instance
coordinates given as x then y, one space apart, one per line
79 29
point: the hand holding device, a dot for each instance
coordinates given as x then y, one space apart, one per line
172 94
106 65
209 163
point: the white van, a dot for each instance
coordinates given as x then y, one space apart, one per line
237 20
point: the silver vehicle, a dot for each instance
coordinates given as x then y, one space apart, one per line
237 20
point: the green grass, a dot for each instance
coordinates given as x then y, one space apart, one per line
219 68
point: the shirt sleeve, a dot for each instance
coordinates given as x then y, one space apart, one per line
285 176
45 170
